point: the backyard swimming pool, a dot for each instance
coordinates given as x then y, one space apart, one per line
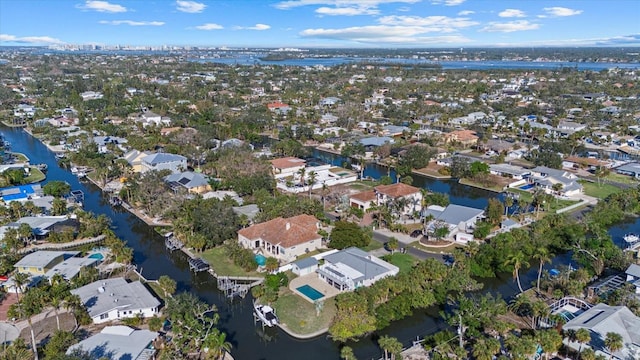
261 259
96 256
526 187
310 292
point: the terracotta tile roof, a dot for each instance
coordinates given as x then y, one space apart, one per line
462 135
397 190
288 162
285 232
364 196
586 161
277 105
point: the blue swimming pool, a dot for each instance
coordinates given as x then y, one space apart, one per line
310 292
261 260
96 256
526 187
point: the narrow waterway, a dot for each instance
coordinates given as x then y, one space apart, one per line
249 341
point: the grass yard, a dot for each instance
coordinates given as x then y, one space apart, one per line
498 187
435 249
624 179
35 176
599 191
299 315
373 245
557 204
223 265
404 261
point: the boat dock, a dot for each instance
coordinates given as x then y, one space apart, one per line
238 285
171 242
198 265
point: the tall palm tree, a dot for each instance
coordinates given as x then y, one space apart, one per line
542 255
302 172
346 353
20 280
485 348
508 202
217 343
583 336
614 342
391 346
313 176
517 260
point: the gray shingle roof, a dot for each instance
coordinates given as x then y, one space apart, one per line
116 343
455 214
159 158
306 262
42 258
100 296
633 270
188 179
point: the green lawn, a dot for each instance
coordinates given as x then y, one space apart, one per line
624 179
223 265
35 176
557 204
599 191
435 249
373 245
404 261
495 188
20 157
300 315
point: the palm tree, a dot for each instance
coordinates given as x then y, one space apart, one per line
20 280
302 172
583 336
543 256
485 348
517 260
508 202
588 354
313 176
217 343
390 346
346 353
613 342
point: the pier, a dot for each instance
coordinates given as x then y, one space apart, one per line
171 242
233 286
198 265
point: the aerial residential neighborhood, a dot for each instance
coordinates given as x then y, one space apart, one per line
389 185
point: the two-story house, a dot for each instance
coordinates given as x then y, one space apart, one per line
163 161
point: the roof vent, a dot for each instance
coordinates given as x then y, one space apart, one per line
115 300
288 226
101 289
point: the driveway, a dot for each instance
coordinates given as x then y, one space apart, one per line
383 235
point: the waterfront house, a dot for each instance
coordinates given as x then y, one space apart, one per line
544 178
41 262
351 268
398 192
104 141
458 218
118 343
363 200
193 182
114 299
283 238
287 165
602 319
163 161
633 277
43 225
134 158
463 137
509 171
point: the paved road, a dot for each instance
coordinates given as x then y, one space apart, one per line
422 255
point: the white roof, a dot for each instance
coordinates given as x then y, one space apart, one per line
103 296
42 258
117 343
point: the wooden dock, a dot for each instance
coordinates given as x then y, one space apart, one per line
237 286
61 246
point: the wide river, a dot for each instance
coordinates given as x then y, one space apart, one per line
251 342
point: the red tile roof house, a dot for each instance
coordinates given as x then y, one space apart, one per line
287 165
283 239
382 194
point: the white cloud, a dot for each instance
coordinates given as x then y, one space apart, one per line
404 8
290 4
384 34
434 23
209 26
190 6
510 13
347 11
132 23
466 12
30 39
561 11
102 6
511 26
448 2
257 27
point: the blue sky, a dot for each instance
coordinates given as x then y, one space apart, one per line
322 23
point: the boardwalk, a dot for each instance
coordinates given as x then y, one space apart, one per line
61 246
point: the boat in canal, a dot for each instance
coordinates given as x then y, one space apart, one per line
266 314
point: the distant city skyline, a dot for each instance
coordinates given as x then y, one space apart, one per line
321 23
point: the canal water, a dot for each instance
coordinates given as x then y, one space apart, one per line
249 341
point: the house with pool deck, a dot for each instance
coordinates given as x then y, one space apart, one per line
351 268
283 238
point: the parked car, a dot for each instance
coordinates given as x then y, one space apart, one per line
416 233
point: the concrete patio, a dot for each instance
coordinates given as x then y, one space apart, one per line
315 282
